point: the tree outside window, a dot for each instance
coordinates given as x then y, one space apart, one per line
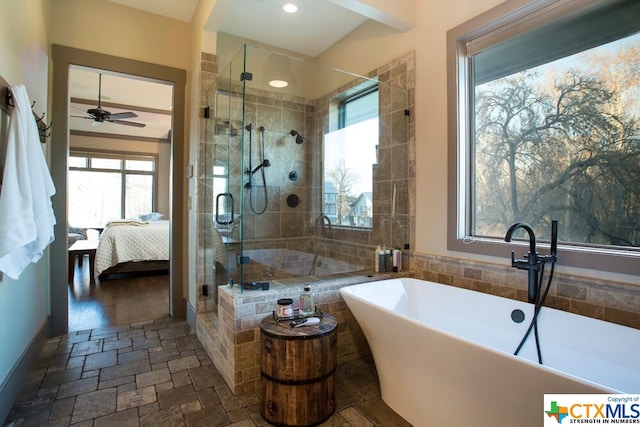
562 141
107 186
544 110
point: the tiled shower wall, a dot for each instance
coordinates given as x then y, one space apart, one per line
282 226
278 115
392 222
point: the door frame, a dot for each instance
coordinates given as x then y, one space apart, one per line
63 57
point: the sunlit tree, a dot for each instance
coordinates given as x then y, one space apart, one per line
344 179
565 146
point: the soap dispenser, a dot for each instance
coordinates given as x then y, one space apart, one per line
379 259
307 305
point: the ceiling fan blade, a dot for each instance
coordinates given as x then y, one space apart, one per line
82 117
122 122
125 115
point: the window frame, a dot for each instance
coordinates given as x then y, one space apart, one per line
123 157
341 107
511 17
344 103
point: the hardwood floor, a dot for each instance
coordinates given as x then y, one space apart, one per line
118 301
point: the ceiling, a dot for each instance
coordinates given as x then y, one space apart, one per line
316 26
119 93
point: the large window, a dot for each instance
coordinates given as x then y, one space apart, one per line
547 108
107 186
349 153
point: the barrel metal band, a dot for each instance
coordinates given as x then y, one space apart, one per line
297 337
299 382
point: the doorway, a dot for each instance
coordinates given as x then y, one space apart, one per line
63 59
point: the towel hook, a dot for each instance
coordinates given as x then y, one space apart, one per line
43 128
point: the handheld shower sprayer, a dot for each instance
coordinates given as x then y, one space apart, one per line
299 138
265 164
250 171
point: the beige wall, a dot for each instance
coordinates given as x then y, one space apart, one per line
372 44
24 303
110 28
162 150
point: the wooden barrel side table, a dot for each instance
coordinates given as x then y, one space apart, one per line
298 372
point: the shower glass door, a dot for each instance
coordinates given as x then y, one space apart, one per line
222 191
287 209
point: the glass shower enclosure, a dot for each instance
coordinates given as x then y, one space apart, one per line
305 173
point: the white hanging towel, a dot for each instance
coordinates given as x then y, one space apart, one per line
26 214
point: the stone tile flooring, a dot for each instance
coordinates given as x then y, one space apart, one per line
157 373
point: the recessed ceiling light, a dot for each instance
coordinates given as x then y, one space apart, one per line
278 83
290 8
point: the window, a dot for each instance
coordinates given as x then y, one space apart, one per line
547 126
220 183
106 186
349 153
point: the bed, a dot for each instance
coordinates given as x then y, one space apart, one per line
131 246
134 246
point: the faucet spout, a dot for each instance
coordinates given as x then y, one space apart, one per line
325 221
531 264
528 229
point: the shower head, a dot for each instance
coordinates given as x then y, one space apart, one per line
299 138
249 127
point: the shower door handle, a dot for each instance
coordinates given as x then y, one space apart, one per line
231 218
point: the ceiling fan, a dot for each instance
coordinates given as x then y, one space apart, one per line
100 115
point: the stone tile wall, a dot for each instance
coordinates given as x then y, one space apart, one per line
605 300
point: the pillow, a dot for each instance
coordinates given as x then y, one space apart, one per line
152 216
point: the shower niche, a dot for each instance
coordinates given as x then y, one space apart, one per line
282 202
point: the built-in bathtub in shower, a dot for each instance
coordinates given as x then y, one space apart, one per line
283 266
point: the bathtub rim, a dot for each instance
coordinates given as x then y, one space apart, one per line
535 365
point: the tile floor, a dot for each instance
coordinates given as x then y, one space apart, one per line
157 373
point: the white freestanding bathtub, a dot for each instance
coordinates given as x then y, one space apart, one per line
444 355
